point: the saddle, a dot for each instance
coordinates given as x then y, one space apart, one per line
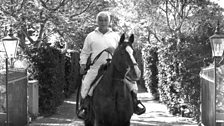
101 70
99 76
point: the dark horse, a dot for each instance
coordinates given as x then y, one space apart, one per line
111 103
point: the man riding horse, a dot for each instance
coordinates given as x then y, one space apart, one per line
98 40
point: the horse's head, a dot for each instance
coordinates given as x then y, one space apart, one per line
123 60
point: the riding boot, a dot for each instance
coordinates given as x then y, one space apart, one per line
82 113
137 110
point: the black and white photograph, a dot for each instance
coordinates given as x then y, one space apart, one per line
111 62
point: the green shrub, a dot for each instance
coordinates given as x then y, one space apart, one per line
71 73
151 71
179 81
48 64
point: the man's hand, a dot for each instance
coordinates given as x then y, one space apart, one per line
82 68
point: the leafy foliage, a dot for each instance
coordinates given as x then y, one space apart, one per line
71 73
48 64
35 20
150 65
182 42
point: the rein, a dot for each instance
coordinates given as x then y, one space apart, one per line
98 56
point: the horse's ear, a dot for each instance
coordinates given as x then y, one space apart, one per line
131 38
122 38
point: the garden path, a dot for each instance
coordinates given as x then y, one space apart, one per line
156 115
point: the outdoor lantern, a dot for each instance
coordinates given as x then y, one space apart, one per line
10 44
217 44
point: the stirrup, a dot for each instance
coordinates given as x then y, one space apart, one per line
82 114
142 110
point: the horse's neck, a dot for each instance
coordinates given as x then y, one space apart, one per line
107 77
112 74
117 74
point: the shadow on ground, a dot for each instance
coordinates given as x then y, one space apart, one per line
156 115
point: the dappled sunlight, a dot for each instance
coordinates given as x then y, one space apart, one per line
61 119
157 114
51 121
142 123
70 102
151 120
56 120
162 120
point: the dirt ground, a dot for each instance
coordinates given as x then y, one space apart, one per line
156 115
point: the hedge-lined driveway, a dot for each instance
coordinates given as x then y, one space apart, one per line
156 115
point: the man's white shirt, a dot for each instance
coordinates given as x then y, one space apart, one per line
96 42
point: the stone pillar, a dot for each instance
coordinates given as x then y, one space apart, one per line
17 96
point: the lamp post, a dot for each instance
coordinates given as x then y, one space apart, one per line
217 45
10 44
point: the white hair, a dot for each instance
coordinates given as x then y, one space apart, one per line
103 13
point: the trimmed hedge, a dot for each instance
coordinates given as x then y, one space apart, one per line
178 73
56 75
71 73
150 58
